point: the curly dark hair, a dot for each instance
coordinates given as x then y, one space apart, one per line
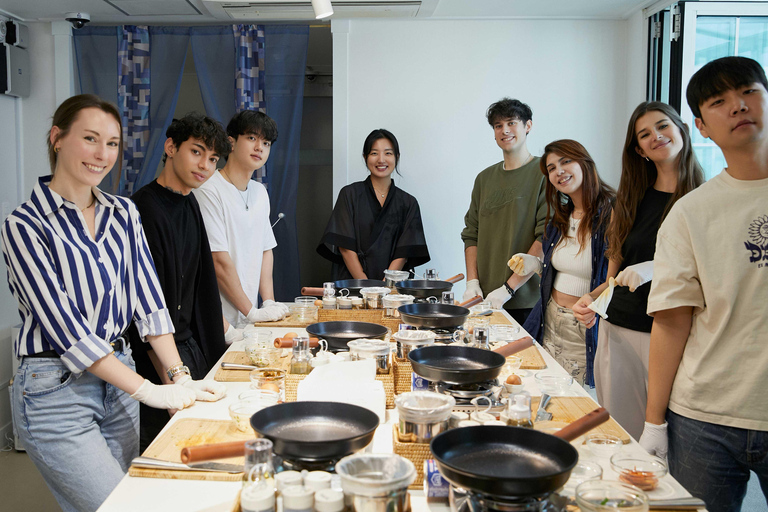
198 126
507 108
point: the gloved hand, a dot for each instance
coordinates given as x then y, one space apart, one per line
655 439
473 290
267 313
583 312
167 396
635 275
233 335
498 297
600 304
280 305
523 264
205 390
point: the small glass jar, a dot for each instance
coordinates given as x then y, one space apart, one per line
329 289
329 302
269 379
343 303
373 296
447 298
393 301
431 273
298 499
258 463
392 277
301 358
408 340
371 349
357 303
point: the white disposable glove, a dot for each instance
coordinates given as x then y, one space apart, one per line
205 390
233 335
473 290
498 297
267 313
600 304
523 264
635 275
655 439
167 396
280 305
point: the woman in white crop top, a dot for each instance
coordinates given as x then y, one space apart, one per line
578 211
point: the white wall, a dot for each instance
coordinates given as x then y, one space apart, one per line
430 83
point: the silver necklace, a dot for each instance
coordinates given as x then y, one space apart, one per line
245 196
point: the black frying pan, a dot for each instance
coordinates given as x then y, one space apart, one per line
511 461
423 288
316 430
463 365
437 315
337 334
353 285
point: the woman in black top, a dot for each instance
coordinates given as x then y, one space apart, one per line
375 226
658 167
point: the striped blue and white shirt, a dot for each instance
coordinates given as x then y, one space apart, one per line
75 293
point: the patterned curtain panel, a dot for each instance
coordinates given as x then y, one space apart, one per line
249 75
133 101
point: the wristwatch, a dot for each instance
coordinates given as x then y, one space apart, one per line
176 370
510 290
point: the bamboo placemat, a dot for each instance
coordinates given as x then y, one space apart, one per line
244 375
192 432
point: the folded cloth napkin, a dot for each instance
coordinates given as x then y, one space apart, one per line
351 382
600 304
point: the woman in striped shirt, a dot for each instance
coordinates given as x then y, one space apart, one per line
79 267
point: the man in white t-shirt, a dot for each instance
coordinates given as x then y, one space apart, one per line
236 213
708 368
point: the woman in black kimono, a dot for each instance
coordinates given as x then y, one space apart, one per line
375 226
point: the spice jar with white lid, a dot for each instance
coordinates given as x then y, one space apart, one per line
317 480
329 500
329 302
258 497
286 479
298 499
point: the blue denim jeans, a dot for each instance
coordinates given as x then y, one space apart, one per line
713 461
80 432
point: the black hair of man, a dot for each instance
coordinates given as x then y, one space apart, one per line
253 122
507 108
198 126
721 75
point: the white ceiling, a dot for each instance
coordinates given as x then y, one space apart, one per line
194 11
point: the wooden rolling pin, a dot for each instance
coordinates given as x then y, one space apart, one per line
212 451
513 347
477 299
455 279
312 291
288 342
584 424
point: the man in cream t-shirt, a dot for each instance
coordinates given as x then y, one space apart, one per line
708 371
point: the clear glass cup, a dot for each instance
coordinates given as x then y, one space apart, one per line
431 273
259 348
504 333
329 289
269 379
607 495
258 462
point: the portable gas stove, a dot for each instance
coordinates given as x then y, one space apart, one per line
462 500
442 334
282 464
465 393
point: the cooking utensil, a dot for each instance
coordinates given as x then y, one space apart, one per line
510 461
423 288
437 315
308 431
235 366
541 412
463 365
337 334
353 285
150 463
288 342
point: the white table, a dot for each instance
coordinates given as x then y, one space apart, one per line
167 495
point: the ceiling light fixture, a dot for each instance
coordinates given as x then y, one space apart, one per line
322 8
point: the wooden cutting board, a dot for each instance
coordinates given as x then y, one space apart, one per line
289 321
570 408
244 375
192 432
498 318
532 359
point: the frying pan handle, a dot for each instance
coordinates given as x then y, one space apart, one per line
513 347
584 424
288 342
308 290
212 451
455 279
477 299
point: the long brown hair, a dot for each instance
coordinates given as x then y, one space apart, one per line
637 174
596 194
67 113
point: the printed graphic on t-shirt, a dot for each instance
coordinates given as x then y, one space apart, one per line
758 244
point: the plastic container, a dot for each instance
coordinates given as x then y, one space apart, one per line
329 500
298 499
357 303
553 384
257 498
377 350
288 479
376 482
408 340
317 480
393 301
392 277
373 296
329 302
643 472
343 303
610 496
423 415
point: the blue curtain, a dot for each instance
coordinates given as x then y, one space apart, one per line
96 70
213 49
134 96
168 51
285 59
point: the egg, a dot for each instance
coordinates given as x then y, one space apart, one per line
318 302
270 386
290 335
514 380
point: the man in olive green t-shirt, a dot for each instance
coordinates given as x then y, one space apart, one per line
506 215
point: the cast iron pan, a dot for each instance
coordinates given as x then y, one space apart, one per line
316 430
337 334
423 288
353 285
463 365
511 461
